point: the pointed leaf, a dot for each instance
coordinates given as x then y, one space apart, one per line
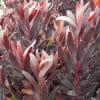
95 77
47 65
36 25
30 79
80 12
13 47
19 51
34 64
70 15
71 46
67 19
6 39
28 49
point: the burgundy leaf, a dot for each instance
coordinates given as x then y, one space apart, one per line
97 30
84 43
80 11
20 11
32 14
88 36
36 25
19 51
69 63
67 19
28 49
13 59
23 27
34 64
47 64
84 20
30 79
13 47
72 47
6 39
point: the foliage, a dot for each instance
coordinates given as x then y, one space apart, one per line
50 52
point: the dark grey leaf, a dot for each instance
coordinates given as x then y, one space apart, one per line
95 77
36 25
87 88
2 96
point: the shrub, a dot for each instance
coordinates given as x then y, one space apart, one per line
50 54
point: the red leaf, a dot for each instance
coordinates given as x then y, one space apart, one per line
19 51
30 79
45 65
28 50
34 63
92 15
1 38
20 11
32 14
6 40
13 47
80 11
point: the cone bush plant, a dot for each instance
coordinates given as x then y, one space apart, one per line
50 50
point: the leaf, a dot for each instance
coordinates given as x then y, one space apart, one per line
52 77
95 77
19 51
13 59
30 79
47 64
71 15
60 26
85 42
85 18
14 72
43 62
2 95
32 15
26 17
87 88
92 15
20 11
1 37
69 63
13 47
82 45
86 59
55 90
23 28
6 39
19 54
44 54
97 29
80 11
71 93
84 21
29 49
27 91
34 64
67 19
88 36
36 25
97 45
72 47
